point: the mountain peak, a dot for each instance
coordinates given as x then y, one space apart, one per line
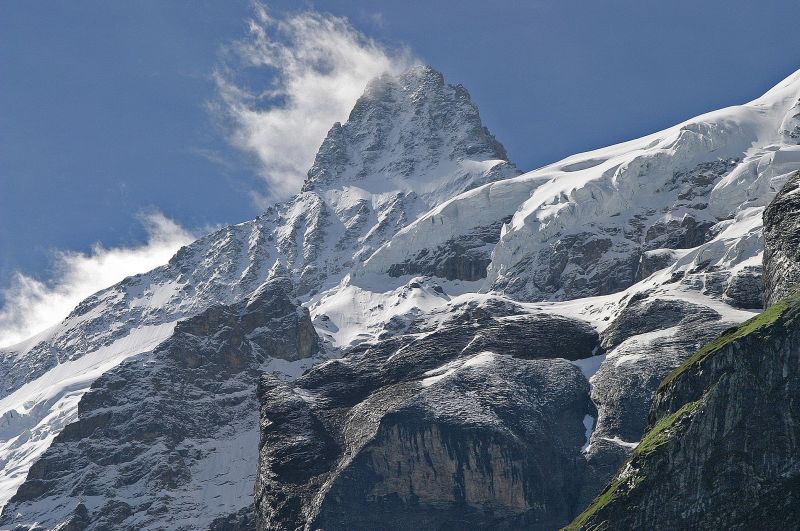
417 78
402 128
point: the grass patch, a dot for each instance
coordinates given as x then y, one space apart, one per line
759 324
655 437
598 503
660 433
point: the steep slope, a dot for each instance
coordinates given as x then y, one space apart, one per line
670 229
721 451
782 234
168 439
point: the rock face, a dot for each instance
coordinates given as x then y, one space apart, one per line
647 340
464 257
434 430
169 439
722 448
782 242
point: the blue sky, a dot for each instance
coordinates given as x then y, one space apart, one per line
107 108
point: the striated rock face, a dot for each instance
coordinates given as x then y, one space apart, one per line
722 451
745 288
444 429
782 242
642 314
648 338
169 439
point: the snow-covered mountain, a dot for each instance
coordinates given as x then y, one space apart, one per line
428 264
435 146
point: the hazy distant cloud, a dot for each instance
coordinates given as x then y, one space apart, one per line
32 305
376 19
319 65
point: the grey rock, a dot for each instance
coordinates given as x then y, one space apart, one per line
654 260
485 447
462 258
645 342
642 314
402 126
648 338
745 288
674 234
473 423
168 438
782 242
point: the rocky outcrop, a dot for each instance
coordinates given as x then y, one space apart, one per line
465 257
467 425
646 341
745 288
169 439
782 242
722 447
642 314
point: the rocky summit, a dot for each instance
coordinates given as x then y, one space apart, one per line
427 337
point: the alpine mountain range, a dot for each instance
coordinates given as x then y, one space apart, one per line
427 337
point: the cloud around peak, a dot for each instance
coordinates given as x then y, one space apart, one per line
280 89
317 66
32 305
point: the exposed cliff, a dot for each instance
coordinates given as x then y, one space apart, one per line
433 430
782 242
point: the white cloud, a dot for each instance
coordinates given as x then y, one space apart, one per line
319 65
32 305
